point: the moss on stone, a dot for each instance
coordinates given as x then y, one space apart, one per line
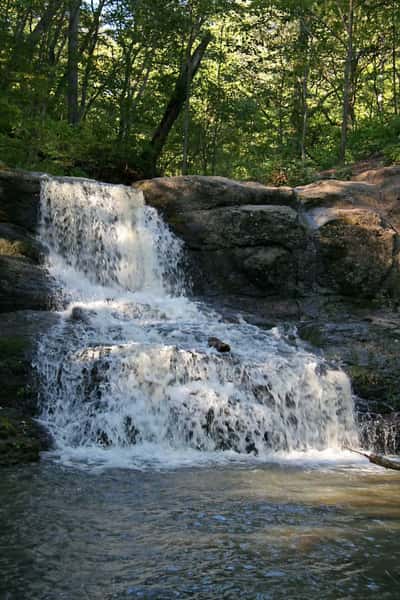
20 438
12 347
15 373
375 385
17 248
6 427
313 335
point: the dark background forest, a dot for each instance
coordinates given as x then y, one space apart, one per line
250 89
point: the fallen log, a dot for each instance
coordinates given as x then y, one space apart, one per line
377 459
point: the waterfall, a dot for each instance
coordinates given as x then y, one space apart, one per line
128 372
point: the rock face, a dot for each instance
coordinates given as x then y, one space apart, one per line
25 297
325 256
306 245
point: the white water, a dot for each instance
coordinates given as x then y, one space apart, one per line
127 376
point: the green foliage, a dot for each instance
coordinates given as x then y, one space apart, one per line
266 103
374 136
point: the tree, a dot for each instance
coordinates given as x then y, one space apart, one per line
73 61
268 89
347 81
175 104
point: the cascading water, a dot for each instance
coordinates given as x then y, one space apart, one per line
127 375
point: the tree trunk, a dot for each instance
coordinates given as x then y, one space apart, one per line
125 93
347 83
300 104
73 60
394 59
24 46
186 125
217 119
93 38
43 24
174 106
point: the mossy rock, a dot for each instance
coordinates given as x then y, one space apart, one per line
24 285
16 241
377 387
21 439
16 248
16 374
12 347
313 335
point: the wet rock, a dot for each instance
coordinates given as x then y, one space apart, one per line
19 334
271 268
357 251
23 285
365 343
218 344
132 432
380 433
20 199
21 438
103 439
210 416
327 238
94 380
79 313
15 241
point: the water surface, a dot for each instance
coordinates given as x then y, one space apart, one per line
251 531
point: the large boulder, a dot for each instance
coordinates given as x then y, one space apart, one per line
332 192
195 192
358 251
23 285
326 239
387 182
242 238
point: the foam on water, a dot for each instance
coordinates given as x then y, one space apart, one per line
127 376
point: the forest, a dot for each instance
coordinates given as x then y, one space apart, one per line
271 90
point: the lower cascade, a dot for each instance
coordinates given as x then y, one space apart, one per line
128 372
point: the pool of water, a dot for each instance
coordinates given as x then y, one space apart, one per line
234 531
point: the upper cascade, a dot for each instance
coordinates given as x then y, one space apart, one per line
129 371
106 233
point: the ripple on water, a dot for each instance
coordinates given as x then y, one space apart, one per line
228 531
